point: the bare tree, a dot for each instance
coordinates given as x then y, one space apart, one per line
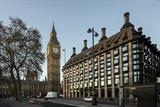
21 50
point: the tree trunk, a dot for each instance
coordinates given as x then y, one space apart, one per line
15 85
19 85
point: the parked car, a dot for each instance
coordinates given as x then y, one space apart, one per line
61 96
51 95
32 101
88 99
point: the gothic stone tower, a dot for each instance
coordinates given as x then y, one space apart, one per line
53 62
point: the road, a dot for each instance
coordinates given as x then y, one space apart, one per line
4 103
48 104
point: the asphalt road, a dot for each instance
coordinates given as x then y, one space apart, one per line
48 104
4 104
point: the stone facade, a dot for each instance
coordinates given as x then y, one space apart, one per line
125 59
53 62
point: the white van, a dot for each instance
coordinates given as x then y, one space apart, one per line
51 95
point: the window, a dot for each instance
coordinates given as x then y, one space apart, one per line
90 83
116 69
95 59
102 66
85 84
109 68
102 79
101 58
136 62
116 60
102 83
96 82
126 80
102 62
136 51
95 67
81 78
108 55
136 76
124 48
108 59
135 67
126 76
116 57
86 76
125 54
109 80
102 73
96 75
116 51
135 56
125 67
109 72
135 45
125 58
81 65
116 79
77 66
81 85
90 61
90 75
108 63
102 70
136 72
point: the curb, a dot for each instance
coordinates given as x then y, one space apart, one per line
68 104
60 103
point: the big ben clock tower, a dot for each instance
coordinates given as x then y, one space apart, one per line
53 63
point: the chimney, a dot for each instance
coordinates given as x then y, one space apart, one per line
126 17
103 31
144 36
149 39
140 30
155 45
85 43
74 51
103 34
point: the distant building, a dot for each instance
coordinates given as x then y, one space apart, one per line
126 58
31 88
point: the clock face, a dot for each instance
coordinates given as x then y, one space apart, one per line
55 50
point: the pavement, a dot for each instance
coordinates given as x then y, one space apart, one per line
58 102
73 102
11 102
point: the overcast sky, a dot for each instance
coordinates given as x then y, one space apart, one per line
72 18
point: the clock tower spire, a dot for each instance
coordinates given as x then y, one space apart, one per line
53 62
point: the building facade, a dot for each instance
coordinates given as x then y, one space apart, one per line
29 88
53 62
127 58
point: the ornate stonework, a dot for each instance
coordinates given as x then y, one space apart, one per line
53 62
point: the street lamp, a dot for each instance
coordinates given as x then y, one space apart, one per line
64 50
94 34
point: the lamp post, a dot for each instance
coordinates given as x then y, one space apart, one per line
64 50
94 34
